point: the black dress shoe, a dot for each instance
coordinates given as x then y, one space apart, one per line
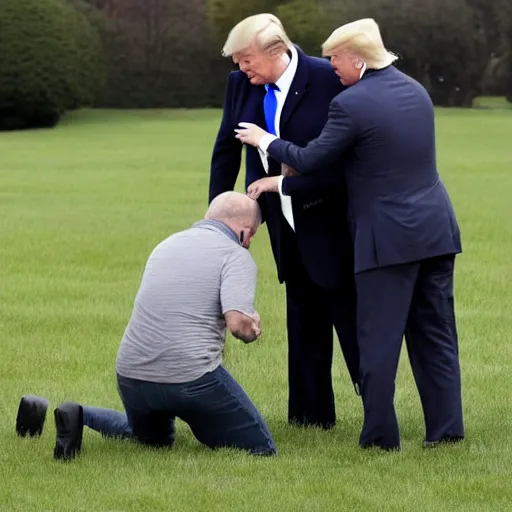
443 440
31 416
69 423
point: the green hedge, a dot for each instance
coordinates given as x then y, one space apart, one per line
49 62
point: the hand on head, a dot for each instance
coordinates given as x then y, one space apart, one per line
270 184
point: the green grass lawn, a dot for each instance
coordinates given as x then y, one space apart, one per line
492 102
81 207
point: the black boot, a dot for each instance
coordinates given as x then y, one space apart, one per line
31 416
69 423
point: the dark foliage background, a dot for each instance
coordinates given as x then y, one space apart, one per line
62 54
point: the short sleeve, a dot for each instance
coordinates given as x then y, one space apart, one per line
238 283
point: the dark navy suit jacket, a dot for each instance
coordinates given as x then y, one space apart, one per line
399 210
319 215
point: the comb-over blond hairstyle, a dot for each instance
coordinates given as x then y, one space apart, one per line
266 30
361 37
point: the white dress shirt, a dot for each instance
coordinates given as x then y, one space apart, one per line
284 83
267 139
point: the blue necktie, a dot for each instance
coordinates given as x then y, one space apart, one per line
270 107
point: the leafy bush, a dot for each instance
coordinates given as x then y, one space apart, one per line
49 62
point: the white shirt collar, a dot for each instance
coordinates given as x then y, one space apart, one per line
285 80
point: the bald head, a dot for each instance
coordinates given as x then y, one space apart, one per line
238 211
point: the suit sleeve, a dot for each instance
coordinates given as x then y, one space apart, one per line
304 185
320 154
227 151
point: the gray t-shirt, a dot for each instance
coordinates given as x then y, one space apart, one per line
177 329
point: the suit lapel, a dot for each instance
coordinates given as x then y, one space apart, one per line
297 90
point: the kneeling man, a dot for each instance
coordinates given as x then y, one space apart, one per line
195 284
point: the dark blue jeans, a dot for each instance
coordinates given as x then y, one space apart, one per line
217 409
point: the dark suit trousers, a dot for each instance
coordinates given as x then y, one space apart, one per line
415 300
312 312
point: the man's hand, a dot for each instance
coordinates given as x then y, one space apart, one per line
256 324
243 326
256 188
250 134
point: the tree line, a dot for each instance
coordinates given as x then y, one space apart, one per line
56 55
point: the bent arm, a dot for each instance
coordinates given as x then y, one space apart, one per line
237 292
227 151
242 326
337 135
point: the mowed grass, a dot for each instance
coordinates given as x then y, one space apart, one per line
82 206
492 102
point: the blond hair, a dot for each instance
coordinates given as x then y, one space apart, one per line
266 30
362 38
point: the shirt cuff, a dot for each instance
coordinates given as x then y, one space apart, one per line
280 185
266 140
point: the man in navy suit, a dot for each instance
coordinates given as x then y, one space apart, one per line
403 225
289 92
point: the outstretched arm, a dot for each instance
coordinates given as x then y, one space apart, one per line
337 135
305 184
297 185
